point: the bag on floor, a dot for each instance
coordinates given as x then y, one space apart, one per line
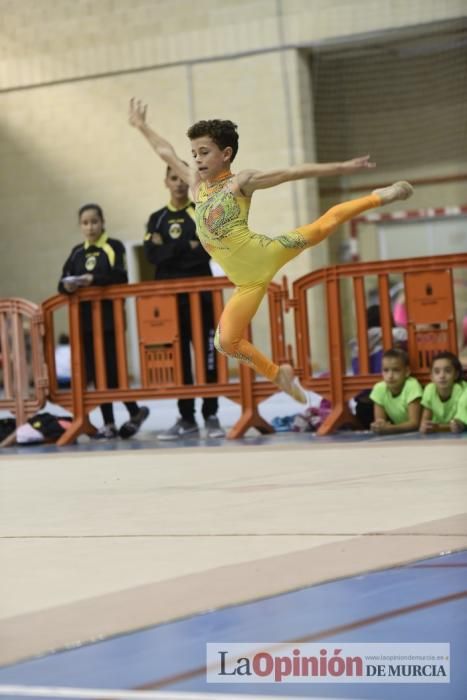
312 418
42 428
7 426
364 408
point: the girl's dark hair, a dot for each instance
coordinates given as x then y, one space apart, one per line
96 207
397 354
222 131
455 362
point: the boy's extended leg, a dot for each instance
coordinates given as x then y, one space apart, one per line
236 316
321 228
229 340
293 243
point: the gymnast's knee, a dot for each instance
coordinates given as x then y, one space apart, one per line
217 341
226 347
330 221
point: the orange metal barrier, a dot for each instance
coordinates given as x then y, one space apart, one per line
431 323
431 327
24 371
159 346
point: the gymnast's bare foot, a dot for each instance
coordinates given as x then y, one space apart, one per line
286 381
396 191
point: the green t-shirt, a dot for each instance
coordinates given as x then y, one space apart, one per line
443 411
461 413
397 407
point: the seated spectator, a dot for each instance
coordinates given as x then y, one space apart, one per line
375 341
459 422
463 347
397 398
63 362
442 395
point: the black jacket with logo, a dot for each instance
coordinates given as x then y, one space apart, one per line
106 263
174 257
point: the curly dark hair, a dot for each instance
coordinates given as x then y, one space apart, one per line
222 131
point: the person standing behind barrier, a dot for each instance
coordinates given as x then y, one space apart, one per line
251 260
397 398
442 395
100 261
171 244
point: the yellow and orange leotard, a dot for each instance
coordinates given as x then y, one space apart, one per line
250 260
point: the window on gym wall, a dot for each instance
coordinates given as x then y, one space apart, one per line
401 98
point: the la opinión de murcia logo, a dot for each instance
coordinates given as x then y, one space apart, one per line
346 663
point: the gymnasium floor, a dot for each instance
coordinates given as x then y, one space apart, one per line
119 562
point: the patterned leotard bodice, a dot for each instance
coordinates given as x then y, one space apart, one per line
222 226
220 215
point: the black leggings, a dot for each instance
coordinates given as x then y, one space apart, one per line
210 405
110 357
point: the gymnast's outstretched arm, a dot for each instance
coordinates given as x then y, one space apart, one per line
164 149
251 180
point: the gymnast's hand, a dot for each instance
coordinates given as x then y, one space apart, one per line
356 164
137 113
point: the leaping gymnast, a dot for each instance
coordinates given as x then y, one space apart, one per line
250 260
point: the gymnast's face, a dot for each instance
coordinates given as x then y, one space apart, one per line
210 160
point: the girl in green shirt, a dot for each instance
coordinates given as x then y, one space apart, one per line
441 397
397 398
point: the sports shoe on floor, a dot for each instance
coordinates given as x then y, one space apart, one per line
132 426
107 432
214 428
396 191
180 430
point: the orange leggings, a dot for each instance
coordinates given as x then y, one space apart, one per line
243 305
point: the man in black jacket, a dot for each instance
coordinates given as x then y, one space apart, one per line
172 245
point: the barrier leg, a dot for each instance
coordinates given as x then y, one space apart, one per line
9 440
88 427
70 435
250 418
340 415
